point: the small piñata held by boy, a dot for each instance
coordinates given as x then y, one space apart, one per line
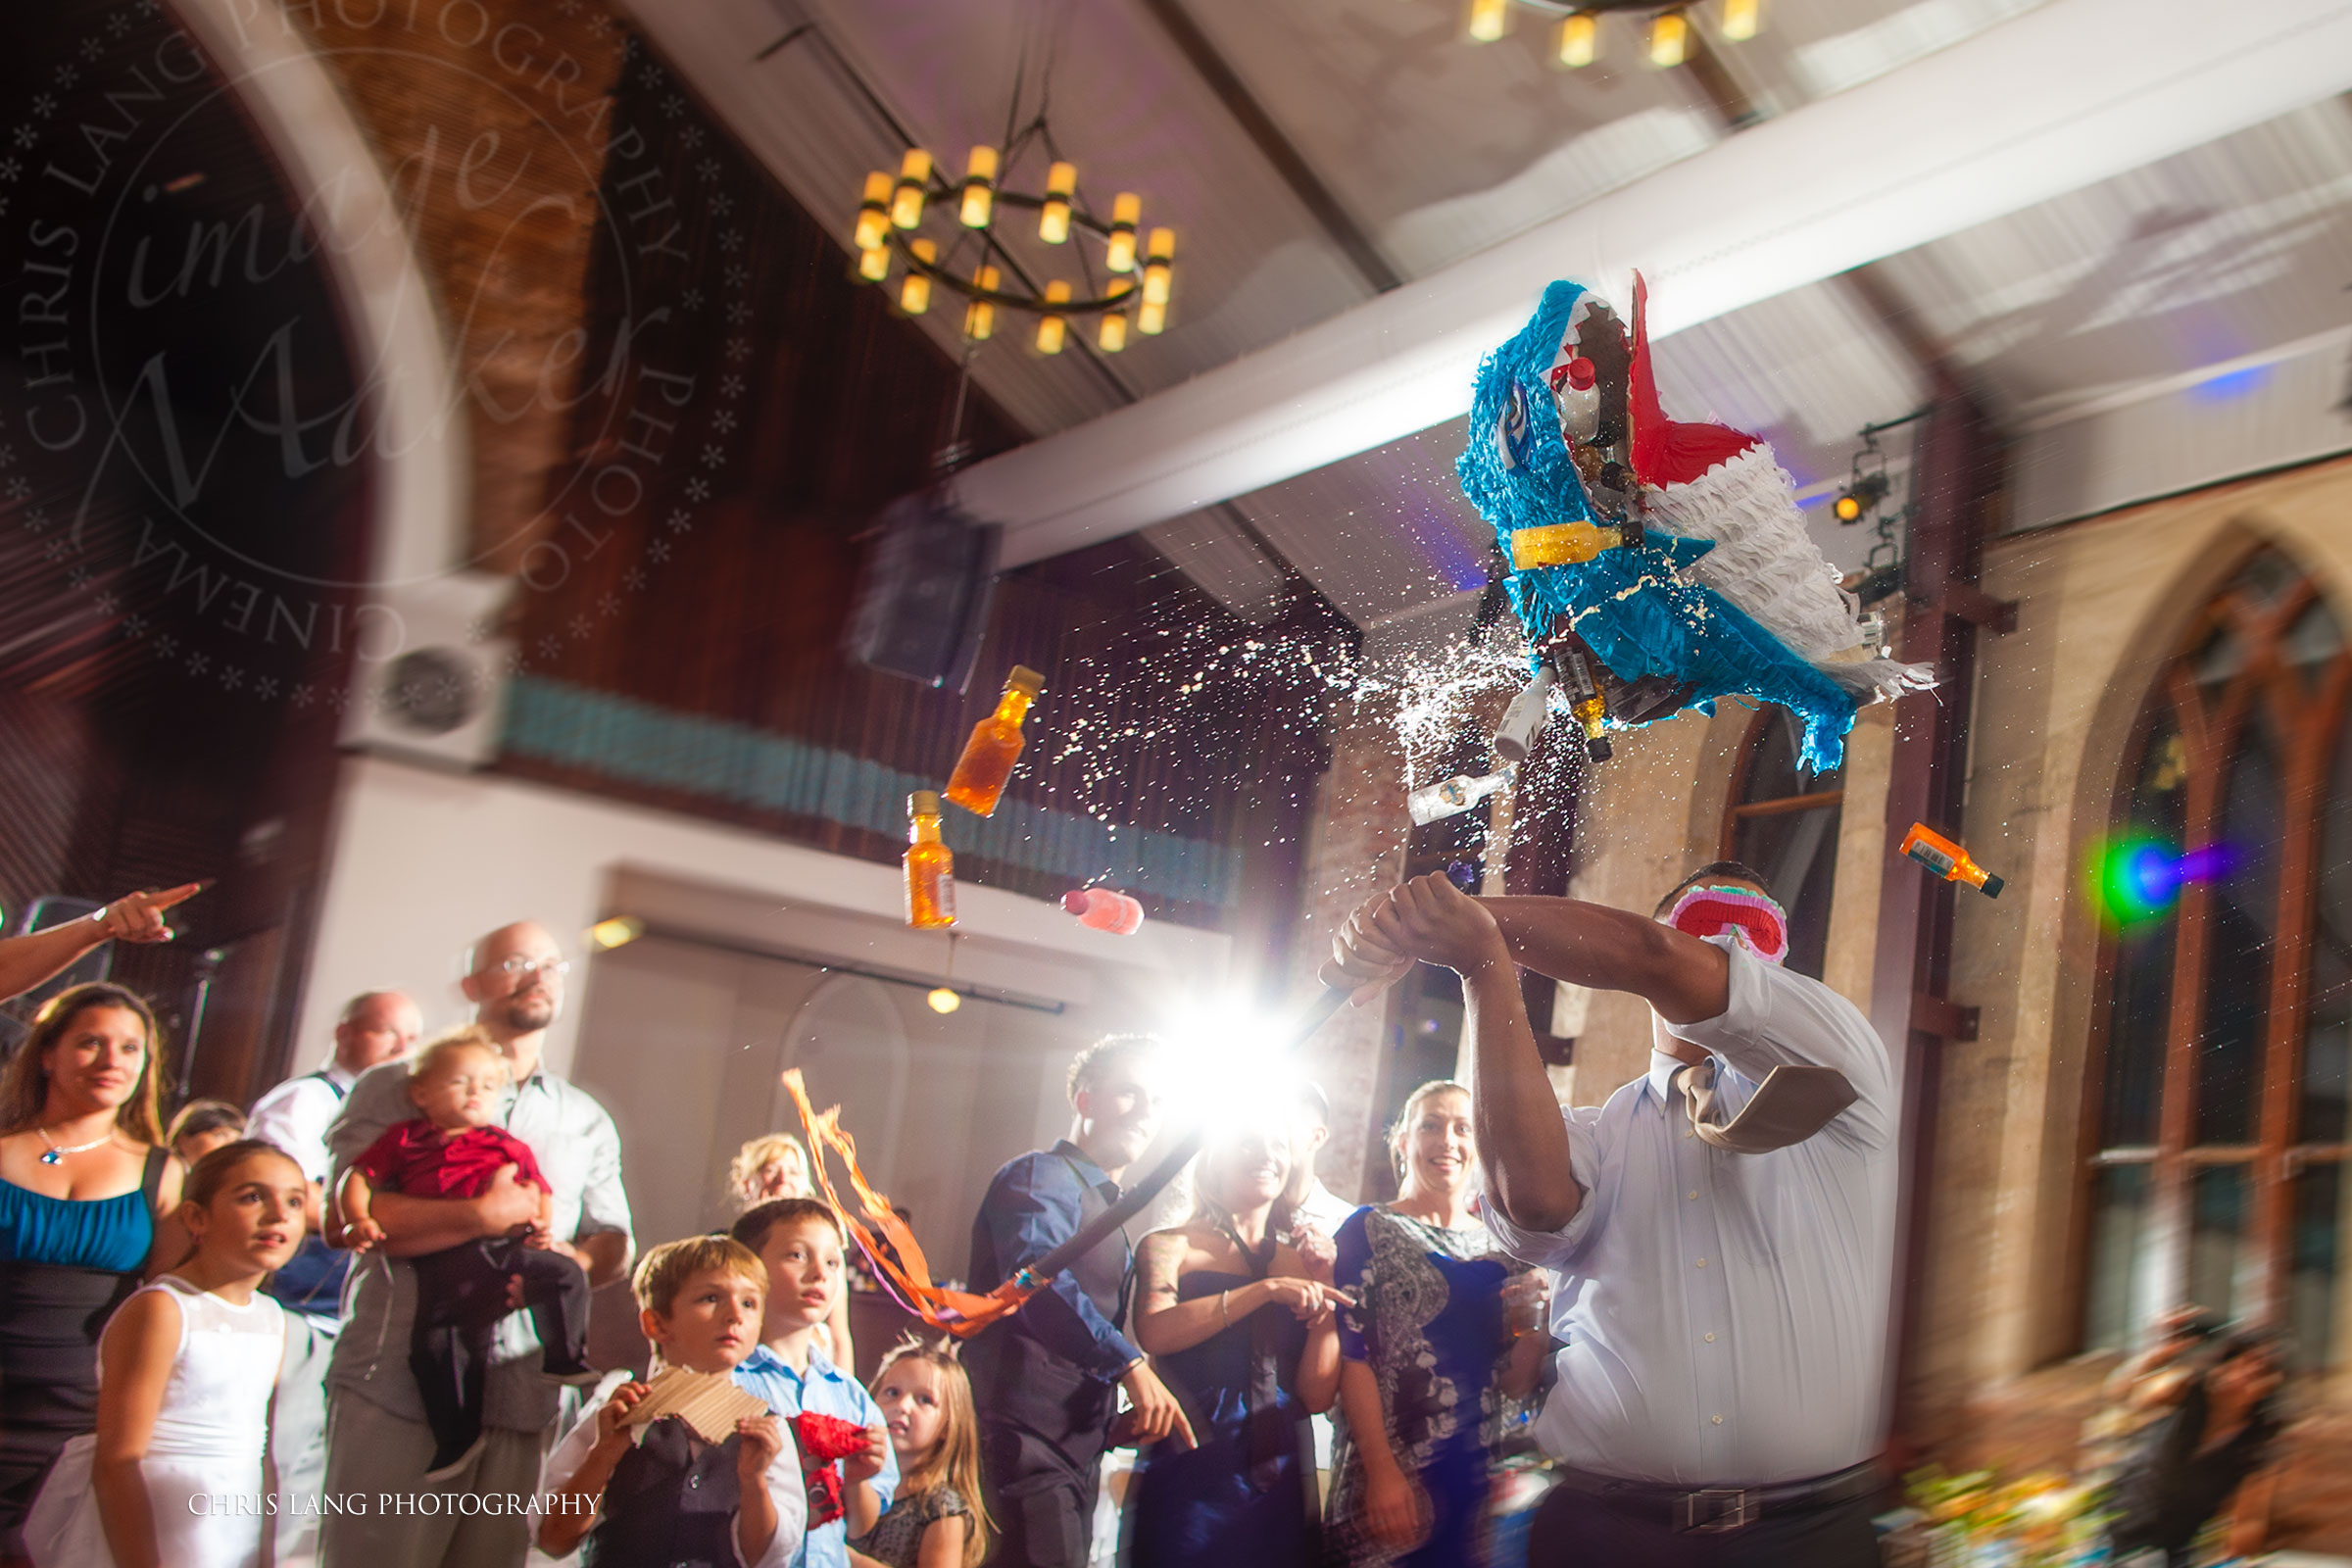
657 1494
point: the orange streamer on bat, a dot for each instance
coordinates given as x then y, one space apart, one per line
883 1237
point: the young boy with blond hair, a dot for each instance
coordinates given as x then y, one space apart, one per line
799 1243
658 1496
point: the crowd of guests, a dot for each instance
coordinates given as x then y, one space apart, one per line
352 1326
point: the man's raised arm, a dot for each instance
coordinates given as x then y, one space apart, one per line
1593 946
1522 1143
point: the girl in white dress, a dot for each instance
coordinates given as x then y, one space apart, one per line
173 1478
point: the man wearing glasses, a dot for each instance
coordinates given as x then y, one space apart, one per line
378 1440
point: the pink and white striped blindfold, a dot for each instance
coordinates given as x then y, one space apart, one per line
1755 919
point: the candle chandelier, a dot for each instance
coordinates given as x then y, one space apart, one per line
1138 267
1579 40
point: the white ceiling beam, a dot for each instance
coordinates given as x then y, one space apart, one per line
2060 98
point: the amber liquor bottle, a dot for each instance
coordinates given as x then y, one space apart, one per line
930 866
978 782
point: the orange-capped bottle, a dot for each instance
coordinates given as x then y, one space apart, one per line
1948 860
978 782
930 866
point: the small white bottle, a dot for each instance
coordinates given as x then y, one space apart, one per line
1526 717
1576 386
1436 801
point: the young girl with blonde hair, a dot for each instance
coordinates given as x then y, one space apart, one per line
937 1519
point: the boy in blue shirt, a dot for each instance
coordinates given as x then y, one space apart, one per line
800 1240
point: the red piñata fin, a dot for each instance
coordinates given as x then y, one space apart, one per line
884 1238
830 1438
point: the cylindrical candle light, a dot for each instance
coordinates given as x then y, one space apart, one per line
979 188
1126 210
980 316
1052 328
1054 217
1580 39
1669 35
873 213
1158 265
915 293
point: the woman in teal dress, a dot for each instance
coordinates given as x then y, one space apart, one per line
1240 1326
88 1198
1432 1354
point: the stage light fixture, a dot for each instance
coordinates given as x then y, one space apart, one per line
1861 498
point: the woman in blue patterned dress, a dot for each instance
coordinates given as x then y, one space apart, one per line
1428 1352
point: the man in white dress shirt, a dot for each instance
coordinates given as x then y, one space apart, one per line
1723 1313
376 1026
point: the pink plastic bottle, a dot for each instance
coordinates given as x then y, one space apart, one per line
1106 911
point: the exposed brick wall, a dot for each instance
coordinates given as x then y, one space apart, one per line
490 118
1355 846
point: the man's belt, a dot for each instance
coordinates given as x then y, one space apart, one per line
1710 1510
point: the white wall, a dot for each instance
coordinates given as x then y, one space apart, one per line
2172 435
425 862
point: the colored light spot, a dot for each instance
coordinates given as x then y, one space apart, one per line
2137 879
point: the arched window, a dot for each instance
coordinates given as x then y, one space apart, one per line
2219 1133
1785 824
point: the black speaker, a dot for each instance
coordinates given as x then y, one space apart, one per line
922 603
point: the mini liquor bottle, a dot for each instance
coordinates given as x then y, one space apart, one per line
1585 702
1105 910
1561 544
1948 860
1453 795
978 782
1527 715
930 866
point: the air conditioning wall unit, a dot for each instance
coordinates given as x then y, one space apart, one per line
430 682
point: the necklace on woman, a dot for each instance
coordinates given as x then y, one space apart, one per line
57 1152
